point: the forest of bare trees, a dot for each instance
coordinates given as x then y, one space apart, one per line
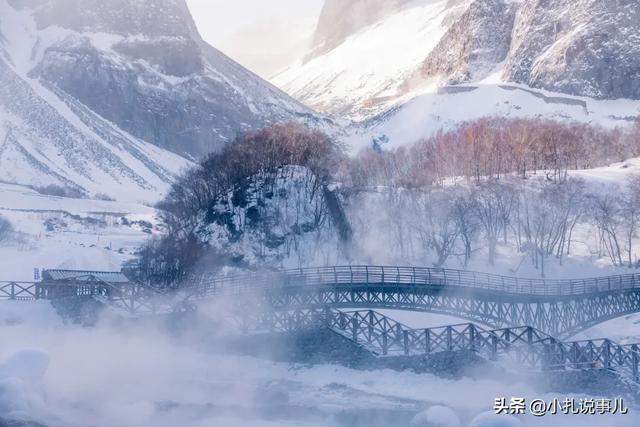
491 148
535 220
454 199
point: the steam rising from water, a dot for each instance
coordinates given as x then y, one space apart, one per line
121 373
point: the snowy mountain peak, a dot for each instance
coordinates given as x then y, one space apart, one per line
113 94
158 18
341 18
584 48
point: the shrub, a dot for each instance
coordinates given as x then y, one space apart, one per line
6 229
105 197
60 191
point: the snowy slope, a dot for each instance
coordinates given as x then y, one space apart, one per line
48 137
583 48
145 68
365 73
57 232
425 114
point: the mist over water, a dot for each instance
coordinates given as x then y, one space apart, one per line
173 371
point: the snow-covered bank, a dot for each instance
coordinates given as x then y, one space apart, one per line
133 375
59 232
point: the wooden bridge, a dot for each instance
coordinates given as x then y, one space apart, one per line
519 347
522 318
558 307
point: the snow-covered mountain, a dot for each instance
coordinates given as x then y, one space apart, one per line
112 96
586 48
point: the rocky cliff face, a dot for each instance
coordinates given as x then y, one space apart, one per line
580 47
476 41
584 47
143 66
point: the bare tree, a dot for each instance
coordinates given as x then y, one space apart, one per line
630 217
605 212
546 219
466 220
436 225
494 203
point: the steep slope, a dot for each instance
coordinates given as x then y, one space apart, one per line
584 48
477 41
144 67
581 47
366 72
341 18
49 138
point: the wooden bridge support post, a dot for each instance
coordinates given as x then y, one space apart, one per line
634 361
326 316
606 348
370 324
399 336
427 341
563 356
449 338
494 347
405 342
472 337
385 343
354 329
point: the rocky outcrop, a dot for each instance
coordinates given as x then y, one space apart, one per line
478 40
144 67
580 47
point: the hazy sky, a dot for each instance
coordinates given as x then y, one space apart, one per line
263 35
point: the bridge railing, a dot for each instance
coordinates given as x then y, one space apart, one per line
19 291
526 346
417 276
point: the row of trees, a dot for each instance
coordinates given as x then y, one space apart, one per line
538 219
491 148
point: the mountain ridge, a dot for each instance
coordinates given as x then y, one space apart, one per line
116 97
578 48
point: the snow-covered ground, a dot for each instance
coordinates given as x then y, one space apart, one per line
134 375
57 232
421 115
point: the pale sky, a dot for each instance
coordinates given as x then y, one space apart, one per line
263 35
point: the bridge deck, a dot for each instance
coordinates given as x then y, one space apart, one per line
420 276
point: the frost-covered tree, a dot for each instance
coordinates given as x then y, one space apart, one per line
494 203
